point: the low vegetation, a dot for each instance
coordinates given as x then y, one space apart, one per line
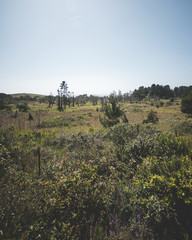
64 176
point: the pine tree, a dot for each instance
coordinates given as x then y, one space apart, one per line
112 113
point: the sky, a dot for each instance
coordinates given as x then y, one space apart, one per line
96 46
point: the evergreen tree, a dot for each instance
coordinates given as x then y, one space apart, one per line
63 96
112 113
51 100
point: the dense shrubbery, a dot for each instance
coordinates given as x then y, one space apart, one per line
23 107
124 182
54 122
162 197
183 128
186 104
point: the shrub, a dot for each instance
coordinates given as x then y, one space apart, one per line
57 121
112 113
183 128
21 146
186 104
151 117
91 129
161 198
23 107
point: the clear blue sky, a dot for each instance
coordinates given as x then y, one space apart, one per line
96 46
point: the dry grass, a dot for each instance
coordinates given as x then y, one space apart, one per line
81 118
77 119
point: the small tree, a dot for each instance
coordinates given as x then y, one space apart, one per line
151 117
51 100
63 95
112 113
186 104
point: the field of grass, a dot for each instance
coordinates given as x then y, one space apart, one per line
81 118
72 119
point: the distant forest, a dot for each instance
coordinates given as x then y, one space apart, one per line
162 92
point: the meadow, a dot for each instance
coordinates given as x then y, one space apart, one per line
81 118
64 176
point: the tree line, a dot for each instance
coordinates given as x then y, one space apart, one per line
66 98
161 92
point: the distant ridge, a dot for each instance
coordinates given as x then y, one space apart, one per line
27 94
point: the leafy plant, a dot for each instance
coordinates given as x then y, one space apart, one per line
112 113
162 197
151 117
183 128
23 107
186 104
56 122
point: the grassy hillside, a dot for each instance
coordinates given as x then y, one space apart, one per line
17 95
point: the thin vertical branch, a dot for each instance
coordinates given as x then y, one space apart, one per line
39 159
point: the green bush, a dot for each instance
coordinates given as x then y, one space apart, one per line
56 122
5 161
23 107
112 112
186 104
183 128
20 145
162 197
151 117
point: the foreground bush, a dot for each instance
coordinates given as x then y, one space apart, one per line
162 198
125 182
183 128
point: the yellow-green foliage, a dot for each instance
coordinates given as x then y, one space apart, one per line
163 196
123 182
